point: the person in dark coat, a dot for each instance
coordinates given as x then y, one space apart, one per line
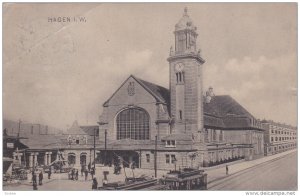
95 184
41 176
49 174
34 184
89 166
76 175
86 173
72 174
227 170
33 177
82 170
92 172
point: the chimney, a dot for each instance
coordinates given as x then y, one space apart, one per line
209 95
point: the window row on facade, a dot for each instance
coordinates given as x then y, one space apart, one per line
213 135
275 139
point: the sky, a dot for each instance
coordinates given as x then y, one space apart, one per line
57 72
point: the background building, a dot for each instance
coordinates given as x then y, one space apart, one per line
278 137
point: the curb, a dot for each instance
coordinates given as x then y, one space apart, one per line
244 170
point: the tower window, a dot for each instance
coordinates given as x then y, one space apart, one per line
180 114
179 77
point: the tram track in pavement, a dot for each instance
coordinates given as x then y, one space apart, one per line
222 182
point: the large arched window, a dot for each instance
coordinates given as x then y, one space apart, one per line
133 123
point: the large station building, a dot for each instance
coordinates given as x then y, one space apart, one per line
181 126
148 126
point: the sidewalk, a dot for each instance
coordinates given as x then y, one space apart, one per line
213 173
220 173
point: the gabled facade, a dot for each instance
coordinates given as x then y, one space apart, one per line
190 130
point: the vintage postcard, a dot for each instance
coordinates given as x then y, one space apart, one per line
150 96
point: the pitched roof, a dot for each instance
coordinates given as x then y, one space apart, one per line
225 105
42 141
160 93
225 112
90 129
75 129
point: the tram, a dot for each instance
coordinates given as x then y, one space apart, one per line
185 179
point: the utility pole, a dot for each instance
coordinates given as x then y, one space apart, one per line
94 148
47 130
155 158
105 145
19 128
31 129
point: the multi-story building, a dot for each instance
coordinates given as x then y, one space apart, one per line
278 137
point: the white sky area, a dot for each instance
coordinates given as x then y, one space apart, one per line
55 73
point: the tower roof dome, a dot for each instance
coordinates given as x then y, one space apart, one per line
185 22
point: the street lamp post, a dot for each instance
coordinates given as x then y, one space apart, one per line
155 158
94 148
105 146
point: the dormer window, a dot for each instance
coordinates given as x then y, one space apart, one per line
69 140
170 143
77 139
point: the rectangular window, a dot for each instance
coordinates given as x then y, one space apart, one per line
168 158
214 135
173 143
271 139
168 142
148 158
173 158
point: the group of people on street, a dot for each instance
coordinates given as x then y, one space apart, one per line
38 174
73 174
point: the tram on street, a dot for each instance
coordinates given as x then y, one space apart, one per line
185 179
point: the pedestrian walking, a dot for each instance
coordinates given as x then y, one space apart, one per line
41 176
93 172
82 170
33 177
49 174
226 169
34 184
95 184
86 173
76 175
89 167
72 174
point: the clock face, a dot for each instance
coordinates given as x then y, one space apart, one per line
179 67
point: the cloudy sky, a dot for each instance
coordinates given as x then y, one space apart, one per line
58 72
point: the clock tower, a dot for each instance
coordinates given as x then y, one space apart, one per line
186 80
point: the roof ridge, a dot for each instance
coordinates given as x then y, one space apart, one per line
148 82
